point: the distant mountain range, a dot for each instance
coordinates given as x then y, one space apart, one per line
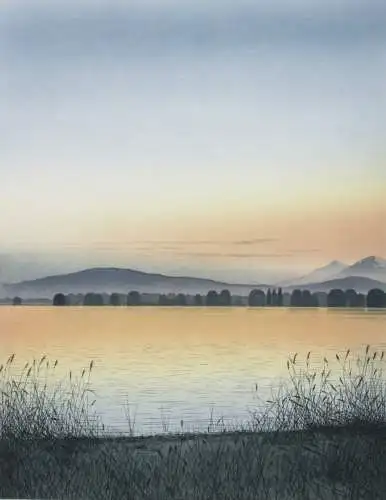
372 267
362 276
330 271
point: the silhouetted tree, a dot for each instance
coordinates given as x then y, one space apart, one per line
211 298
99 299
134 298
361 300
17 301
274 298
70 299
280 297
269 297
180 300
336 298
115 299
306 300
93 299
256 298
376 298
225 298
296 298
198 300
59 299
286 299
79 299
162 300
322 299
351 298
314 300
88 299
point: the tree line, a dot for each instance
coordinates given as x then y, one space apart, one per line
375 298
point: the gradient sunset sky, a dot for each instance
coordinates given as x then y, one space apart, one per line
212 137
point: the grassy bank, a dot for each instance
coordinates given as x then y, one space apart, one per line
319 437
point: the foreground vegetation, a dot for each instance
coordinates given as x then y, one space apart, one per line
319 437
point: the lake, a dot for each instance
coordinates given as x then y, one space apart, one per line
172 364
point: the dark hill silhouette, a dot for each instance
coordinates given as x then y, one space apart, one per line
358 283
112 279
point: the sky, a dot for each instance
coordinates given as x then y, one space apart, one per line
228 139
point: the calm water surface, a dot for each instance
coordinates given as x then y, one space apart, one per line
182 363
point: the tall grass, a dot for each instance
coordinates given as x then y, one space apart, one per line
39 458
35 405
318 398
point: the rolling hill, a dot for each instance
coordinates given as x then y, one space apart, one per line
120 280
358 283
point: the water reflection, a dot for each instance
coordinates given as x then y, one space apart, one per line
183 362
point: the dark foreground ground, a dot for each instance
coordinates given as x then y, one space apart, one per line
322 464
